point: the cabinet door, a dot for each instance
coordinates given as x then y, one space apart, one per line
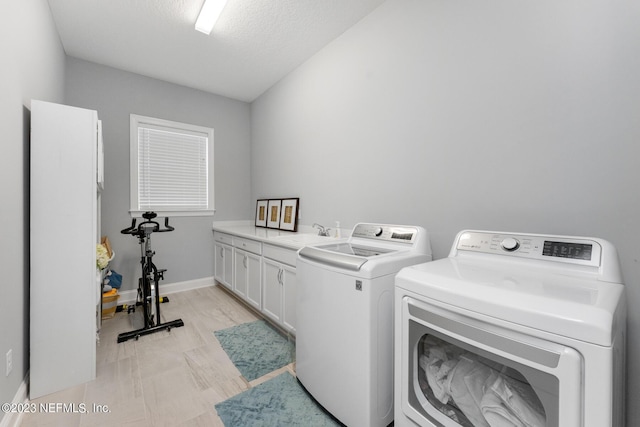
272 297
228 266
254 281
289 298
218 263
223 264
240 266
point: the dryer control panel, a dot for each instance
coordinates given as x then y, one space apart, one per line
582 251
392 233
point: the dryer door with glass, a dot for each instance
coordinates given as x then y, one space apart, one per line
458 370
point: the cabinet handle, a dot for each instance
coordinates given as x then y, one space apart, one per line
221 252
280 276
244 261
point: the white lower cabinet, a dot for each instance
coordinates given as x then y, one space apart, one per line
223 267
272 304
247 276
263 275
289 298
279 286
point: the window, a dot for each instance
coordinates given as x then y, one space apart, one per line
171 167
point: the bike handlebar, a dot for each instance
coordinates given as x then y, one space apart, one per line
129 230
166 226
147 226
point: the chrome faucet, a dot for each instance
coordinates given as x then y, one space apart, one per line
322 231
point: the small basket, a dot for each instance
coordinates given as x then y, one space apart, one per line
109 303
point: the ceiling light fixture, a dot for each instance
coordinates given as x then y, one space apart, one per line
209 14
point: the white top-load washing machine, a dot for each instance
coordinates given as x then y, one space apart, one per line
512 329
344 331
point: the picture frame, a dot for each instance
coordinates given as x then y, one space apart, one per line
273 213
289 214
261 212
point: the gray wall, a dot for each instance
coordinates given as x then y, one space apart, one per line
501 115
187 253
32 68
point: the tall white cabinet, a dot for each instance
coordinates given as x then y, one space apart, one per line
65 142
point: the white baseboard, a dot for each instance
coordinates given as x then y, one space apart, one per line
129 297
12 419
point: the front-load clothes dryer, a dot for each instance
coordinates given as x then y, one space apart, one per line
344 331
512 329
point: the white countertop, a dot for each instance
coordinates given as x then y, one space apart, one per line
288 239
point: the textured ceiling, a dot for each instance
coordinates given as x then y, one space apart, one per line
254 44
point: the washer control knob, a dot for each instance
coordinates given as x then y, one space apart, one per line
377 232
510 244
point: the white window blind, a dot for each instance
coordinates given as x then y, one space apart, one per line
173 167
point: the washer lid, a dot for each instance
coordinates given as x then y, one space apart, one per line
343 255
337 258
580 308
354 249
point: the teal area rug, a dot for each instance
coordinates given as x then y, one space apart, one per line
256 348
279 402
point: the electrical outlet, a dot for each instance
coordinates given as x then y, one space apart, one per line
9 362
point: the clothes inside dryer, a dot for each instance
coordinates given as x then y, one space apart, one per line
475 391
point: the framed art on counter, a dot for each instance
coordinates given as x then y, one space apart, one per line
261 213
289 214
273 212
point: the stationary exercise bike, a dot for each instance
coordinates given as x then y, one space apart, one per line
148 291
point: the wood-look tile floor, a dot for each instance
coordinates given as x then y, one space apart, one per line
169 378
